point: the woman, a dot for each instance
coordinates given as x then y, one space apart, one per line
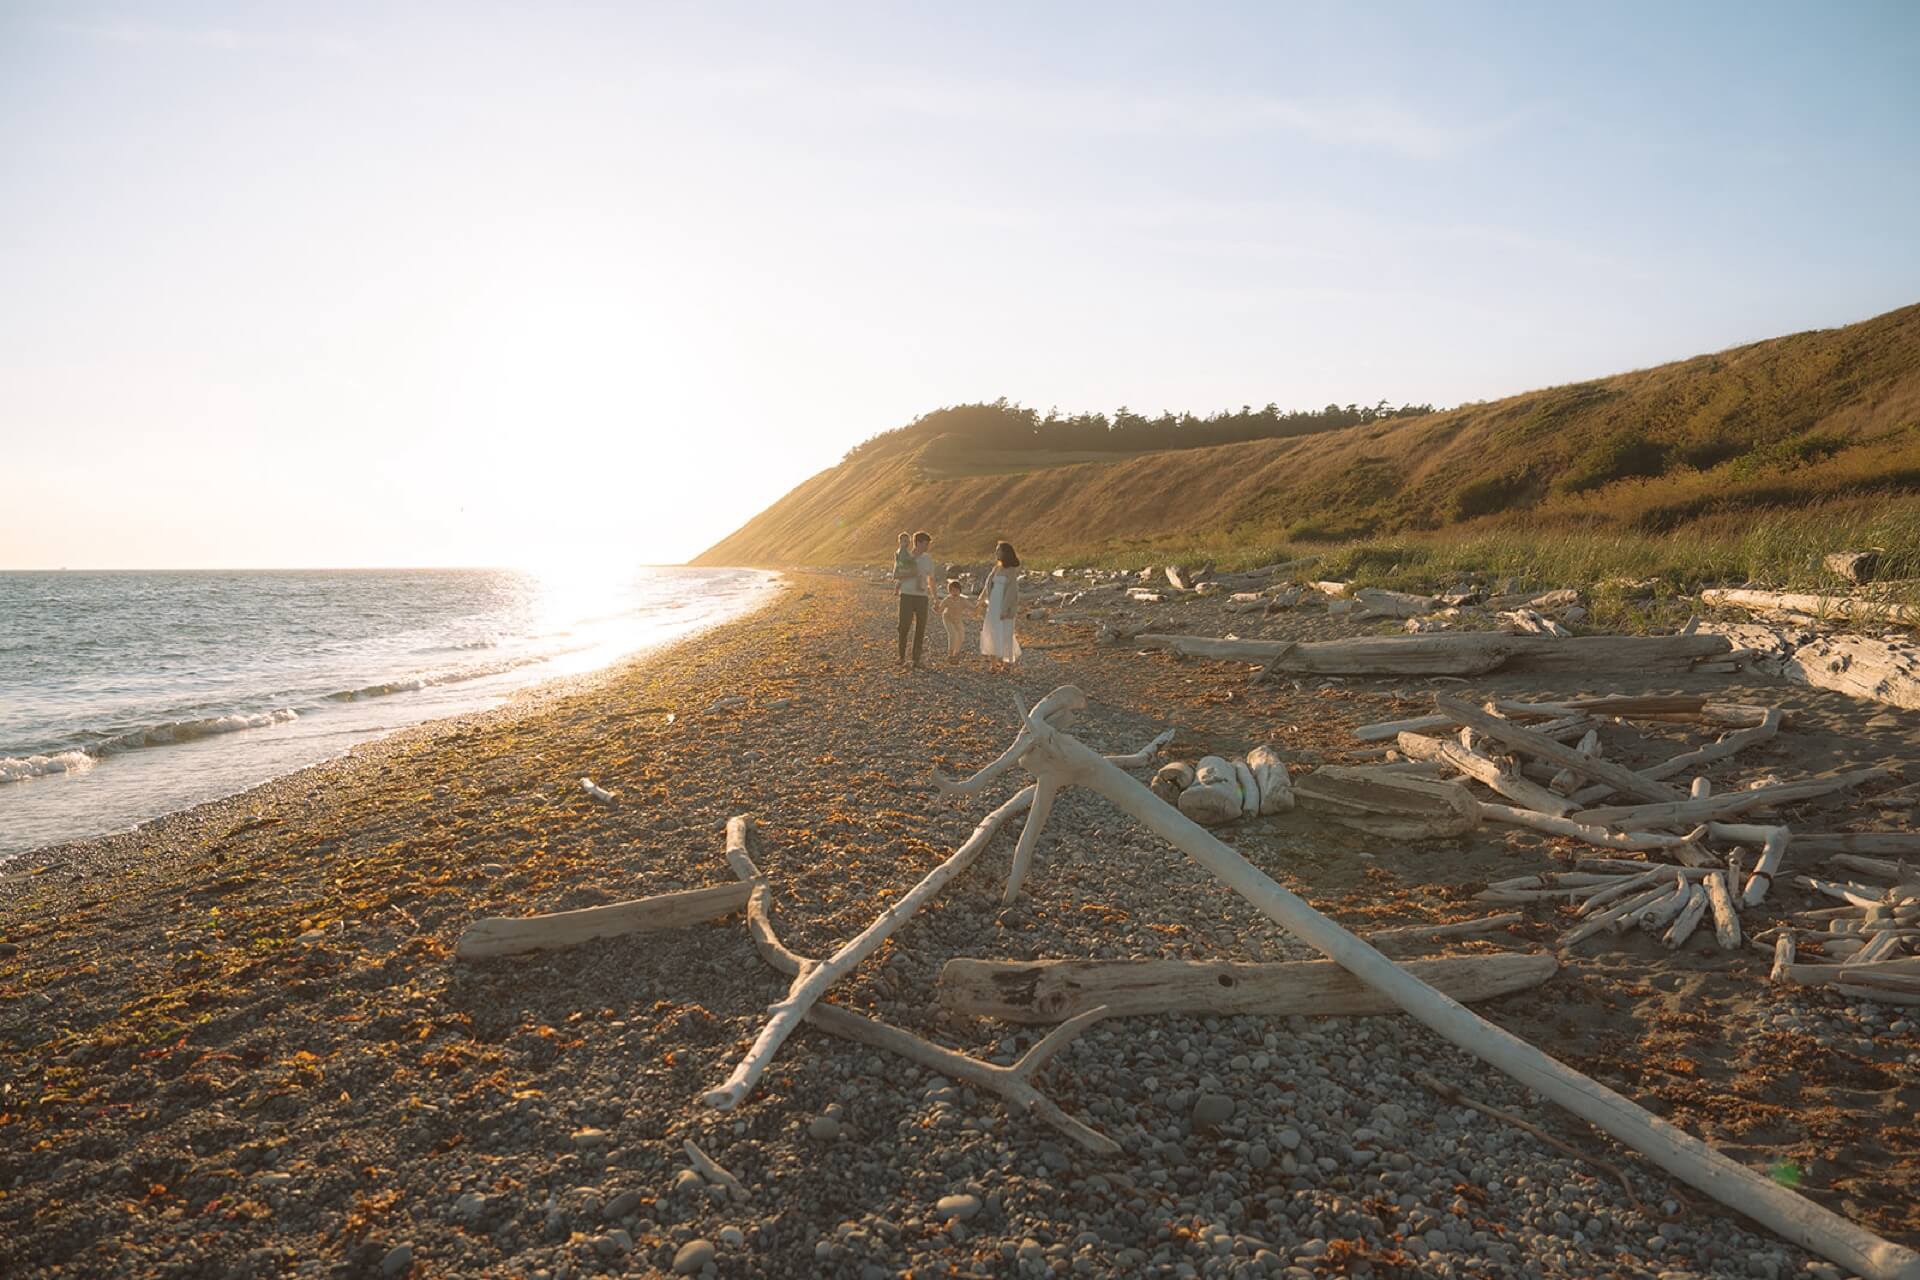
1002 601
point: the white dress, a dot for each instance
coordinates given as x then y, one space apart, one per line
996 632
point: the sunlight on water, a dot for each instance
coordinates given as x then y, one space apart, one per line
143 693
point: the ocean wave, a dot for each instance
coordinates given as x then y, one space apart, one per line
166 733
429 679
172 731
20 768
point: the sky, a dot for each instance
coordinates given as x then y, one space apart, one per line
341 284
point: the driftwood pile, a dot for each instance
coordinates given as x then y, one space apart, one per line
1070 989
1862 948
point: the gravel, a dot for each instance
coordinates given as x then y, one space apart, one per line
526 1115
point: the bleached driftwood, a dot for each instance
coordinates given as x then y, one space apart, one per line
1858 841
1686 1157
1580 655
1395 805
1456 653
1249 789
713 1171
1270 775
1691 912
1422 932
1538 744
1174 777
1783 949
1773 851
1214 797
1625 910
811 983
1658 914
1861 667
1014 1084
1037 816
1563 782
1727 803
1726 917
1529 795
1445 653
1770 721
1527 622
1394 604
1049 990
597 792
1809 605
507 936
1898 872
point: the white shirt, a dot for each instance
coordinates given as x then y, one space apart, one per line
923 571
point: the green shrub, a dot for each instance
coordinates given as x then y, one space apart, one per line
1491 495
1621 456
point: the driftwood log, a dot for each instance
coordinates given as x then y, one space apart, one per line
1456 653
1395 805
1808 605
1052 990
1728 803
507 936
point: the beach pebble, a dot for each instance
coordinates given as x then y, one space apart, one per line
732 1237
621 1205
692 1256
398 1260
962 1208
585 1138
1211 1110
825 1128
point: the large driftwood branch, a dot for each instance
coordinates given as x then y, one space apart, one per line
1049 990
1014 1084
1733 1184
813 981
1029 838
1728 803
1599 837
506 936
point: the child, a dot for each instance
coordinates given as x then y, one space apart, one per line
952 612
903 566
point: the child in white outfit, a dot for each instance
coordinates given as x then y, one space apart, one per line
952 609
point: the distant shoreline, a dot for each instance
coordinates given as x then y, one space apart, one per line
123 849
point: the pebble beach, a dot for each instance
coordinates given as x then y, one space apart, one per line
235 1042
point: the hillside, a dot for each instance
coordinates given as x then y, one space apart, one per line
1811 417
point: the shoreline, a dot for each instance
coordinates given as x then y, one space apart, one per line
116 849
254 1054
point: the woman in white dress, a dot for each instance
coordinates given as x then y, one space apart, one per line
1002 601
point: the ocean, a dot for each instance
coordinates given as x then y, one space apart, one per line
128 695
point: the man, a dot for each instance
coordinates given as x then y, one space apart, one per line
916 597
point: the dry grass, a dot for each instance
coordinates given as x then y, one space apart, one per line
1644 462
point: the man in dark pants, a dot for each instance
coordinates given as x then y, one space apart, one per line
916 596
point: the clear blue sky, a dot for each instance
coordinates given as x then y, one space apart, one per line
467 283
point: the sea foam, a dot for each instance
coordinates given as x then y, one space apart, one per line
20 768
